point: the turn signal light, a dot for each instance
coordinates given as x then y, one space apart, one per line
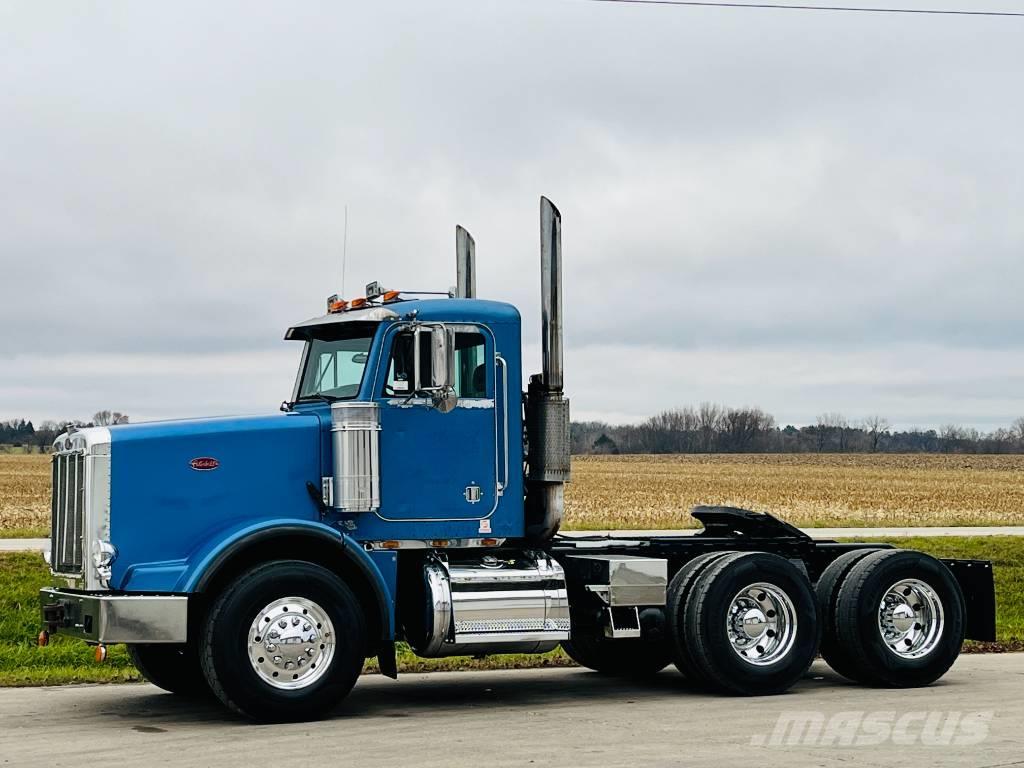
390 544
488 542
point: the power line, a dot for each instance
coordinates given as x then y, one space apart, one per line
794 7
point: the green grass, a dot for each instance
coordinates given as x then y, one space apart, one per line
25 533
65 660
22 662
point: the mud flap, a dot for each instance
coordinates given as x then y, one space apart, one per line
977 583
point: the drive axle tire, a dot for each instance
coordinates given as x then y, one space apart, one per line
285 641
678 592
750 622
826 591
899 617
175 668
632 657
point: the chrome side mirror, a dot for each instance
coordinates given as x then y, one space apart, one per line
441 386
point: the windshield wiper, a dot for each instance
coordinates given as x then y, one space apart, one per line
317 396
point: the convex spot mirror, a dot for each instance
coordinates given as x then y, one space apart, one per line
441 384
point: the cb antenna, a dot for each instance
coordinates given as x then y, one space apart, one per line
344 251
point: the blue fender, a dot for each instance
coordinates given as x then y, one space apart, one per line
379 569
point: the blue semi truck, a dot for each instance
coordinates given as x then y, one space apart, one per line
409 491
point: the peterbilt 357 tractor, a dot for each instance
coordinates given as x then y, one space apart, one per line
409 491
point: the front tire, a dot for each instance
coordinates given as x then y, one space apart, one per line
175 668
285 641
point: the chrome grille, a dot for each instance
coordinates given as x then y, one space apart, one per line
67 513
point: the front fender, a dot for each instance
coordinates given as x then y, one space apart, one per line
379 573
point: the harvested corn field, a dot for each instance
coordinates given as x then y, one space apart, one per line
658 491
24 493
825 490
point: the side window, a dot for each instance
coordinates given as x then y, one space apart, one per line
400 379
470 366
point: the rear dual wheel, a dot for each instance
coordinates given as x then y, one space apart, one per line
742 622
894 618
632 657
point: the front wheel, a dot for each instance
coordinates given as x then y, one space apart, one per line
284 642
175 668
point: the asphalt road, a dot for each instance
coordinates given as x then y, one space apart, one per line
563 717
38 545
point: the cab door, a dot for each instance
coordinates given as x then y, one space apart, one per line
435 465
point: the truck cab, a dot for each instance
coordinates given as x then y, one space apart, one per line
420 400
409 491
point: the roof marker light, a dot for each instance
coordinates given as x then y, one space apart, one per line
357 303
334 304
390 296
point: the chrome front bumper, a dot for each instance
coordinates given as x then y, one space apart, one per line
104 618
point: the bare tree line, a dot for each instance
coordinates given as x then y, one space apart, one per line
712 428
24 434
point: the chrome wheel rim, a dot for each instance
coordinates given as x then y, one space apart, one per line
761 624
910 619
291 643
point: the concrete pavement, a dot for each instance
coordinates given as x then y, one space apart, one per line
38 545
563 717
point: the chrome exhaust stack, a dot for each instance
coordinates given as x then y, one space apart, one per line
551 295
547 410
465 264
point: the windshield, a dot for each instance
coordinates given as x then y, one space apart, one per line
334 367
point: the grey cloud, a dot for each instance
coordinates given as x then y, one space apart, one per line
174 178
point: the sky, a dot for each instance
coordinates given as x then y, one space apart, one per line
807 212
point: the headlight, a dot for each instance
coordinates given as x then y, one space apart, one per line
103 555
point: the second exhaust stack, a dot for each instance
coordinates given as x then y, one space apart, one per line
465 264
547 411
551 295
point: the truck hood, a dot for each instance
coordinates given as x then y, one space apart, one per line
173 484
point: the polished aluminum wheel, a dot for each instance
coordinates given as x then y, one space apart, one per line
291 643
910 619
761 624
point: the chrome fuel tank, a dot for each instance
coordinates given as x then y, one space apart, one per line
513 603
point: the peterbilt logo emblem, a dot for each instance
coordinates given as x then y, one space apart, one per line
204 463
